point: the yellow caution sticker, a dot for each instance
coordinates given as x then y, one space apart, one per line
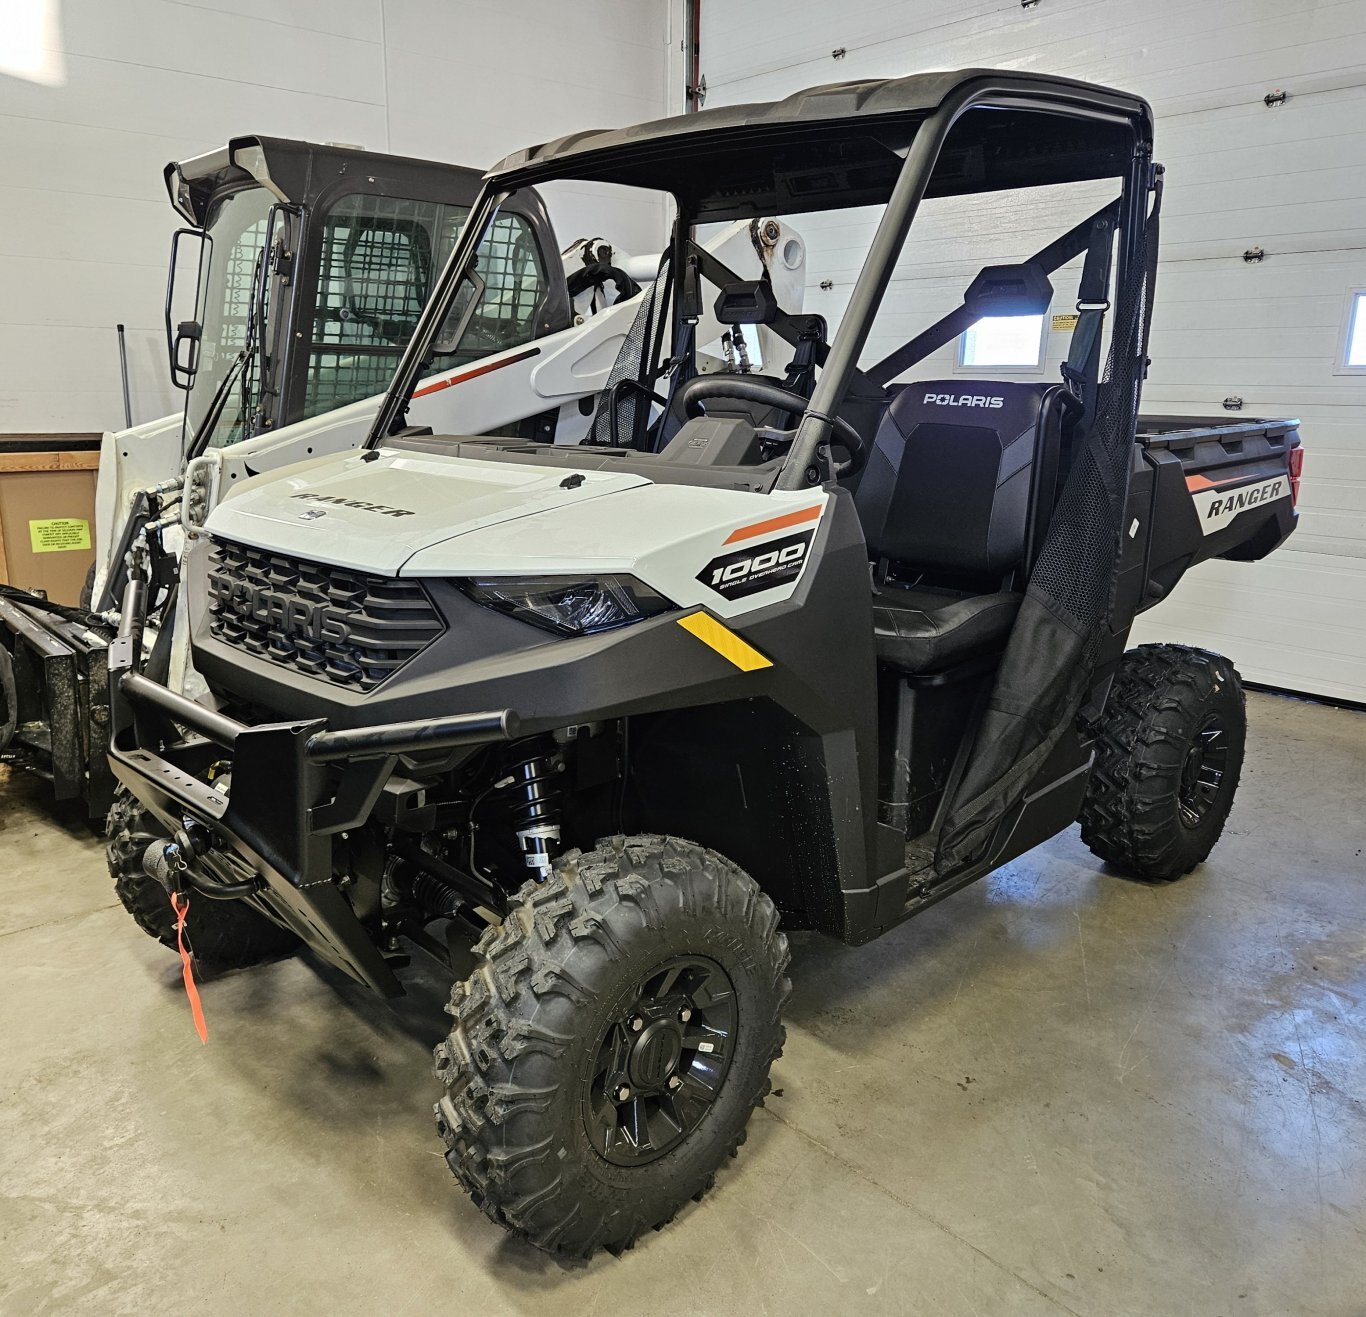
724 641
1061 323
57 534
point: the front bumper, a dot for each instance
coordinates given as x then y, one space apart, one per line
294 786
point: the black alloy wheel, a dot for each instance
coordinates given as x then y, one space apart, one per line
660 1069
1203 772
612 1042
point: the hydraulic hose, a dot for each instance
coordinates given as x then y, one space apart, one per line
80 616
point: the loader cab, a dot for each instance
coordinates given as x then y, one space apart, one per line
304 269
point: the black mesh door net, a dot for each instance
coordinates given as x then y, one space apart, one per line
1047 667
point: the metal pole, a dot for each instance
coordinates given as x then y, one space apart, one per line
695 85
406 738
123 370
883 254
218 727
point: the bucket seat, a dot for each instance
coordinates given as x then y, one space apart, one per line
954 503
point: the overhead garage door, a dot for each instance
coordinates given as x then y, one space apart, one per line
1289 178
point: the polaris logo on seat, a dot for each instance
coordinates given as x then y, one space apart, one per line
963 400
383 509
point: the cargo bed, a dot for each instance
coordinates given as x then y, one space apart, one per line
1202 488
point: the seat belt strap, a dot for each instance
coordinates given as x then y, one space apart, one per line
1081 370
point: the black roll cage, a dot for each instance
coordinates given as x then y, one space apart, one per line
807 461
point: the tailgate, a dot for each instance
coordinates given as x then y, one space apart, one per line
1215 490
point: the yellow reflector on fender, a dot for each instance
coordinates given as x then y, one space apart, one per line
724 641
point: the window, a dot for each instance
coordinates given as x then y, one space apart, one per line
237 226
1353 356
510 265
1003 343
380 256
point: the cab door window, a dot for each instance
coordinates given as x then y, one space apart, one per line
380 256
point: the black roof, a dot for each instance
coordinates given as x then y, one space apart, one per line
838 144
298 171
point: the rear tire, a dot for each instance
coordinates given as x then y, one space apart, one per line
1169 752
222 934
651 967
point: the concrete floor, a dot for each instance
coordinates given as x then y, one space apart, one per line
1057 1091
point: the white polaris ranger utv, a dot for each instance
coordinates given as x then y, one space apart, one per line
806 646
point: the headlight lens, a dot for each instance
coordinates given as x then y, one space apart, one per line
570 606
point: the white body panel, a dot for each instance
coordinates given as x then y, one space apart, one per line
130 460
375 515
664 535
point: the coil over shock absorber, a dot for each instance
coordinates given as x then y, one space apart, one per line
535 803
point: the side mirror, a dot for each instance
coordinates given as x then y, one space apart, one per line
185 353
1008 290
185 319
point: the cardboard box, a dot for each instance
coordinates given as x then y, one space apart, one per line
47 519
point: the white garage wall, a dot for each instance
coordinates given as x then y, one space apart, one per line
1290 179
117 90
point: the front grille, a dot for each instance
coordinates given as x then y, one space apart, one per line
344 626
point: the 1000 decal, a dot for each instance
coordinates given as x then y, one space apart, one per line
762 567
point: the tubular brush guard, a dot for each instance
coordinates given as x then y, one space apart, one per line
294 785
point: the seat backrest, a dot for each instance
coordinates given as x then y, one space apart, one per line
961 478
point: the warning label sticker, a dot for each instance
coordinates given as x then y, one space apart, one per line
58 534
1066 321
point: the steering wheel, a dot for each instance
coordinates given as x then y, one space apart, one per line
693 394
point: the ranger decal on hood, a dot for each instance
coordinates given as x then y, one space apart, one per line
340 502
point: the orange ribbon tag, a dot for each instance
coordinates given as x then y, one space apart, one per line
180 903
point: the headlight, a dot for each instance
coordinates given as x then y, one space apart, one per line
569 606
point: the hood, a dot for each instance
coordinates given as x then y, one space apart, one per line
372 516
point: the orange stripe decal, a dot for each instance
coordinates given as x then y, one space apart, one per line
773 523
1196 483
437 385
